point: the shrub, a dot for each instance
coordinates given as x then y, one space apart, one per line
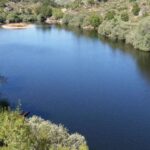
2 19
28 18
44 11
115 30
14 131
75 4
77 20
67 18
18 133
57 13
95 20
12 17
132 0
110 15
141 39
86 21
40 18
136 9
125 16
106 28
91 2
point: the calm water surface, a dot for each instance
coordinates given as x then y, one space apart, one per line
92 86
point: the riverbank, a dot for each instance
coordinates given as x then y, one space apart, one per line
123 20
136 34
16 26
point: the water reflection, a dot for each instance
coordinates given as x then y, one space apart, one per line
76 31
4 103
71 77
3 79
142 58
43 28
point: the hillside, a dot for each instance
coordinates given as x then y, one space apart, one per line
126 20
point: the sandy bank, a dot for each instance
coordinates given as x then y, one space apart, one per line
17 26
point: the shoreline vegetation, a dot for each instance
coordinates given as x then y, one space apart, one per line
123 20
18 132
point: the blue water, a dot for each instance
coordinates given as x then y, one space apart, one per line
98 88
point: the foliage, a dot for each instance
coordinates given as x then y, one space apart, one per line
45 11
114 29
141 39
13 17
124 16
110 15
2 19
14 131
17 132
28 18
57 13
77 20
95 20
136 9
67 18
115 19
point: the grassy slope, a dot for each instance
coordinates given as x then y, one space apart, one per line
130 31
132 28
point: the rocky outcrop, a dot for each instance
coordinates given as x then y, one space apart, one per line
52 20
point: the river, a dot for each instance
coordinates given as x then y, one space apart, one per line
93 86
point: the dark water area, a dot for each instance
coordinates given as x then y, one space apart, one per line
96 87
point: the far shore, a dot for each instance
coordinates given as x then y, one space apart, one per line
16 26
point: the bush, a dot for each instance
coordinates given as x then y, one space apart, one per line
2 19
67 18
125 16
75 4
136 9
44 11
18 133
76 21
57 13
110 15
115 30
11 18
14 131
95 20
28 18
106 28
40 18
141 39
